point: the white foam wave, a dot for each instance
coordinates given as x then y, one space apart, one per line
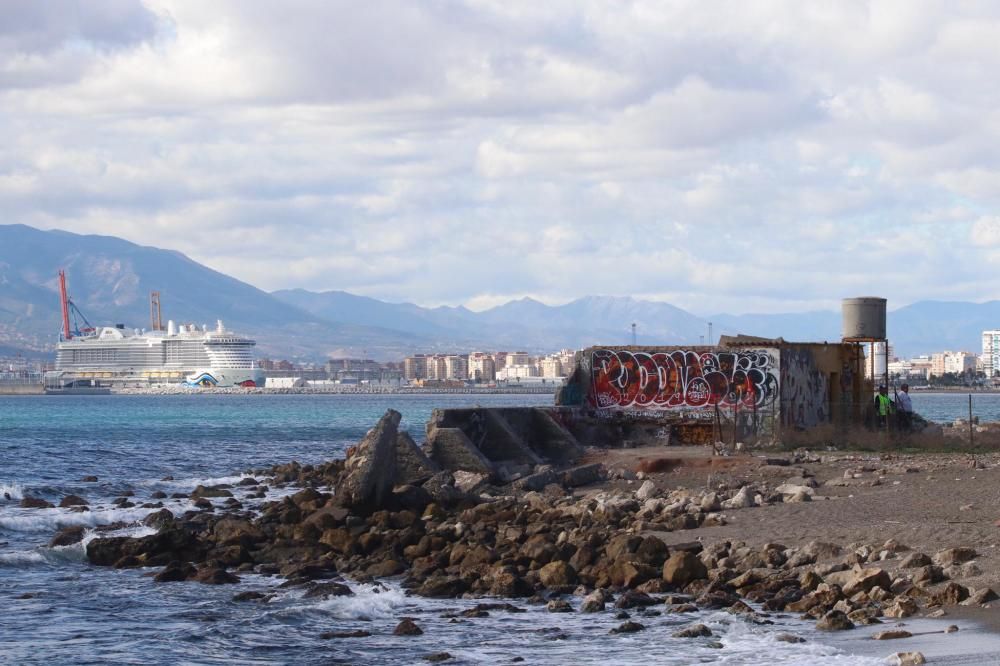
11 490
74 552
368 602
22 558
48 520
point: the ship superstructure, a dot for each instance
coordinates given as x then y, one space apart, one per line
181 354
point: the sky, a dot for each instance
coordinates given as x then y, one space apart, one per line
722 156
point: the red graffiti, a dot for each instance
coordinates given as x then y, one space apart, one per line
683 379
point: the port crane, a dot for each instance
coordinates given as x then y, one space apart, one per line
69 308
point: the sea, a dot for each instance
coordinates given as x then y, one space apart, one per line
55 608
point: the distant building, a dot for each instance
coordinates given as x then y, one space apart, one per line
991 352
517 372
552 366
517 358
415 367
456 367
437 367
482 367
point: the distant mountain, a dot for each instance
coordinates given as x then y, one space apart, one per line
110 279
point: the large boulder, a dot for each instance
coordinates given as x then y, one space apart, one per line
583 475
169 544
370 468
557 574
682 567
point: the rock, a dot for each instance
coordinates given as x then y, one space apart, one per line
370 467
234 531
915 561
90 478
205 492
583 475
683 567
980 597
710 502
860 580
693 631
635 599
443 587
412 498
952 556
593 602
407 627
558 606
789 638
248 596
412 464
175 572
790 489
536 482
900 607
835 620
437 657
469 482
952 595
891 634
73 500
441 488
358 633
35 503
327 590
646 491
821 550
215 576
627 628
907 659
743 499
557 574
67 536
800 496
928 575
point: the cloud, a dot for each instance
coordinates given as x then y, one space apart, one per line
725 156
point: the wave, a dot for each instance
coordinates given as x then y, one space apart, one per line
48 520
11 491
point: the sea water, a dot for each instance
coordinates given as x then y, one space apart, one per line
56 608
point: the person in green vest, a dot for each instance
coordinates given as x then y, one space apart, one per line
884 406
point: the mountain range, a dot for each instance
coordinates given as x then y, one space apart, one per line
110 280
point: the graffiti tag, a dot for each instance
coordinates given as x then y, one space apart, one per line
683 379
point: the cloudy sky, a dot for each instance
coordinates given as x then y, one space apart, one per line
723 156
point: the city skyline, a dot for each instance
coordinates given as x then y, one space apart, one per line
722 157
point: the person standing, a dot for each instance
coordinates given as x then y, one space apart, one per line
884 407
904 408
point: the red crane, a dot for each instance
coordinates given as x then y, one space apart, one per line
67 335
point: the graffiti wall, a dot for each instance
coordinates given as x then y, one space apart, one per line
805 389
667 381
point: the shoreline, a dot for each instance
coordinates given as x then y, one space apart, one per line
846 541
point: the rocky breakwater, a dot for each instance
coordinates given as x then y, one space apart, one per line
401 510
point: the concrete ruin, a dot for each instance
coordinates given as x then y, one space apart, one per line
744 389
502 443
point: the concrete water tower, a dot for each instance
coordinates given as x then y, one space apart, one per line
863 321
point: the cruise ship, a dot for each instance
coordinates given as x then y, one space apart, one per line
182 354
